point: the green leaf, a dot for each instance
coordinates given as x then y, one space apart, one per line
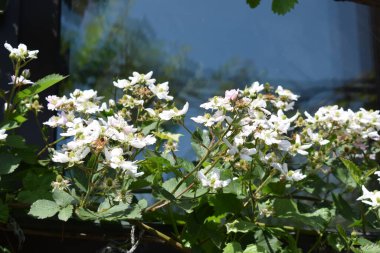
198 137
225 203
288 210
65 213
38 87
253 3
62 198
343 208
354 170
282 7
43 208
233 247
156 164
9 163
240 226
86 214
336 242
135 212
343 175
15 141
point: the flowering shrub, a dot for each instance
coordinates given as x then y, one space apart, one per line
264 175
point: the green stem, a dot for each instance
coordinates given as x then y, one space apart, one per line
163 236
49 145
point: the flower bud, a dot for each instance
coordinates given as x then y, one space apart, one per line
26 73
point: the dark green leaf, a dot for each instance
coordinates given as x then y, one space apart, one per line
282 7
9 163
343 208
4 212
253 3
38 87
15 141
225 203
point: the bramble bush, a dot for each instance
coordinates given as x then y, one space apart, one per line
264 176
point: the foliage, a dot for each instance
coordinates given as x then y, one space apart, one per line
264 176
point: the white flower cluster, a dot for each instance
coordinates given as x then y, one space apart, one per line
254 122
3 135
353 127
112 131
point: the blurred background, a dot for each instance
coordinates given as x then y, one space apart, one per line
326 51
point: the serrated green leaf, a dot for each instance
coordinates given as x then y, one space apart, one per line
198 137
253 3
38 87
240 226
9 163
43 208
233 247
65 213
62 198
282 7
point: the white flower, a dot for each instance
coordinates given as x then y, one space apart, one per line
161 91
21 52
286 93
298 147
122 83
141 141
255 88
373 197
19 81
169 114
231 94
316 138
217 103
212 179
208 120
138 78
291 175
55 102
116 160
3 135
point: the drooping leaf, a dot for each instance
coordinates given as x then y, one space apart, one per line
43 208
65 213
282 7
225 203
38 87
